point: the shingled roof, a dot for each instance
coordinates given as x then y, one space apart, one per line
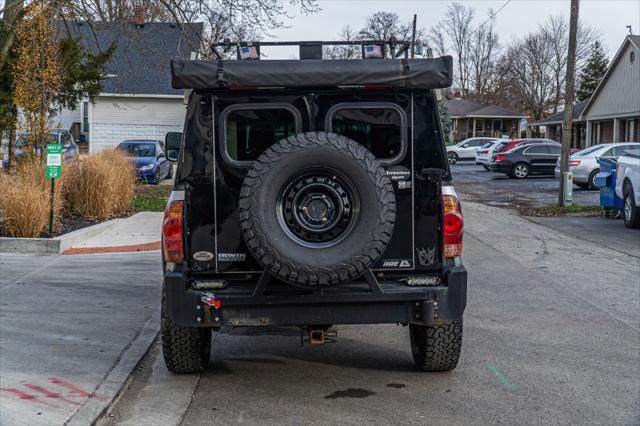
558 118
461 108
140 64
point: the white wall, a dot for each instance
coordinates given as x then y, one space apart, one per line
65 118
114 119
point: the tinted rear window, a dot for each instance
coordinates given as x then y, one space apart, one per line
378 129
249 132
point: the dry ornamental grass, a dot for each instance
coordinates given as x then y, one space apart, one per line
100 186
25 200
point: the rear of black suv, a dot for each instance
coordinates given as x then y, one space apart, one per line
312 193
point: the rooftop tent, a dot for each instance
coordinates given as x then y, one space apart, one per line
427 73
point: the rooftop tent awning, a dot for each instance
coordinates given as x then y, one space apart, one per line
428 73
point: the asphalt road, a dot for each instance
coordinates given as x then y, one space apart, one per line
552 335
497 189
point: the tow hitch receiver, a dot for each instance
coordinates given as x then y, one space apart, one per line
211 306
320 336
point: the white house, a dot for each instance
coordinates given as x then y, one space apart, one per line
137 100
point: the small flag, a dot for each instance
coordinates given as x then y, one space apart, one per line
372 51
248 52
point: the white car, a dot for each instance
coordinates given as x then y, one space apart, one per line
466 149
484 154
628 187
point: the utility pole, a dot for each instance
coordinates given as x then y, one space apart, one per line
566 181
413 36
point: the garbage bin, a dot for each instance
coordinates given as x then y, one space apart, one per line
606 180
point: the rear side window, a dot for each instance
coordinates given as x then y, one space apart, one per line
554 149
250 129
381 128
536 150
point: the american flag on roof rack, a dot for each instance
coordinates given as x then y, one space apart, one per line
372 51
248 52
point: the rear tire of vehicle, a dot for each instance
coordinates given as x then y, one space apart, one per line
520 171
170 172
487 168
630 212
452 157
185 349
592 180
365 215
436 348
582 185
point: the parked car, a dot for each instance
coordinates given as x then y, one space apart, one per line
526 159
628 186
584 164
149 159
70 151
504 146
484 154
466 149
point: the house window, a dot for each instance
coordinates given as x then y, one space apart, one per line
479 125
85 117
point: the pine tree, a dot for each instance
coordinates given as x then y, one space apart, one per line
445 119
592 72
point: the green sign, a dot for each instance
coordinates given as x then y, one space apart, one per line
54 160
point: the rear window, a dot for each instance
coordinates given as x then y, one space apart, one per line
250 130
379 128
138 149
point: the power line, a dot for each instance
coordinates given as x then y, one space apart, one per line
493 15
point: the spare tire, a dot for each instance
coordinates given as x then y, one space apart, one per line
317 209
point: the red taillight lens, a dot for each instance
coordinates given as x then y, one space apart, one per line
574 162
500 158
453 226
484 151
172 233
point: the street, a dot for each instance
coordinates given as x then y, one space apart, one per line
551 336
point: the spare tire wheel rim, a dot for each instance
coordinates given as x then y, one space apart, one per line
318 208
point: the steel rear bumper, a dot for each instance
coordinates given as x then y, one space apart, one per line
250 305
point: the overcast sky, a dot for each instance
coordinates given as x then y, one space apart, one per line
518 17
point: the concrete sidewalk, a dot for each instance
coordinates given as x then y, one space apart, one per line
72 330
139 232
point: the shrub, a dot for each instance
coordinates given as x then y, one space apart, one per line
100 186
25 200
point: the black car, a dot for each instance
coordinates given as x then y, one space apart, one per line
312 193
527 159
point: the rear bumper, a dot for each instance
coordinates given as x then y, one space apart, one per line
502 167
247 304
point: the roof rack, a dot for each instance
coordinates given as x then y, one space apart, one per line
313 49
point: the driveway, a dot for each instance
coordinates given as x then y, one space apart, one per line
551 336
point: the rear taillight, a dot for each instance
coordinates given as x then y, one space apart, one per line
574 162
453 226
500 158
172 232
484 151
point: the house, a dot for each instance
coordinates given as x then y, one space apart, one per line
137 100
470 119
612 113
553 126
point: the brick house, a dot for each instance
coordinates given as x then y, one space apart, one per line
137 100
470 119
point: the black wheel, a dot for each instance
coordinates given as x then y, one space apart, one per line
520 171
185 349
486 168
436 348
170 172
316 209
582 185
452 157
592 179
156 178
630 212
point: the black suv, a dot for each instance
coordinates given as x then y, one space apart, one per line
312 193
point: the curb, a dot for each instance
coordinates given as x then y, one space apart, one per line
113 249
55 245
118 378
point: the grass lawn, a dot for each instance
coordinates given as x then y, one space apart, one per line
554 210
151 198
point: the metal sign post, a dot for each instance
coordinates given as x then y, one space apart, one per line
53 171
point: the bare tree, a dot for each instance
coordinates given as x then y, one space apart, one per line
384 25
484 49
457 24
343 52
556 30
436 40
